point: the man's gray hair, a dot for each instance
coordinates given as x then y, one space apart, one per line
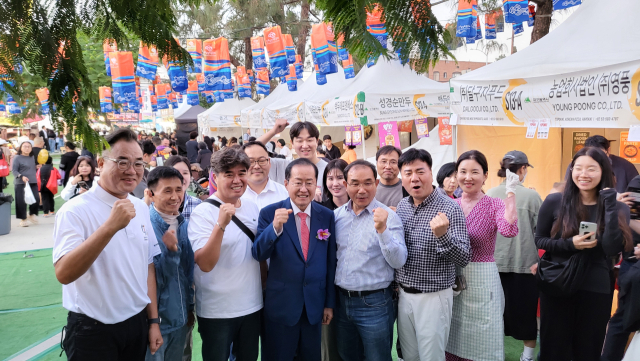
227 158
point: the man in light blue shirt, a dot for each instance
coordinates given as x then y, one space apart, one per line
370 240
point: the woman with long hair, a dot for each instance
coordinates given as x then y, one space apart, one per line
573 321
477 330
335 184
24 170
82 178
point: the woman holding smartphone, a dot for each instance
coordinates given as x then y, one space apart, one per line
573 327
82 178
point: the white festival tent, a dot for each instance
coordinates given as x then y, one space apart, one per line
305 103
386 91
223 114
585 73
251 117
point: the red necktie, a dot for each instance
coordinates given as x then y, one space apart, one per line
304 234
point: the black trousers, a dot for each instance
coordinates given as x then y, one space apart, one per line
21 206
617 338
219 333
88 339
48 203
573 328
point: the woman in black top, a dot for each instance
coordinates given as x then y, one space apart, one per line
573 327
335 184
204 156
68 161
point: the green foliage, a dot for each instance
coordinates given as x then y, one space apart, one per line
43 36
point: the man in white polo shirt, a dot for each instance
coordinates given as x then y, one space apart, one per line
261 190
227 278
103 252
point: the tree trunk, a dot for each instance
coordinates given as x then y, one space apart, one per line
543 19
304 27
234 61
248 56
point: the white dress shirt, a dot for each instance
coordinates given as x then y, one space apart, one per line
286 152
114 288
272 193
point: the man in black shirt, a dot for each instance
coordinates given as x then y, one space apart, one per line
68 160
332 151
192 147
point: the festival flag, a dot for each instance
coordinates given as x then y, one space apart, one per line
257 51
3 109
262 82
289 48
565 4
376 26
478 29
43 97
201 84
325 58
532 15
299 67
177 75
348 68
250 73
275 48
179 97
192 93
467 15
161 96
209 97
124 85
518 28
147 62
218 95
194 47
516 11
292 82
217 69
471 40
490 26
154 103
12 106
108 46
321 78
500 21
106 105
173 100
343 53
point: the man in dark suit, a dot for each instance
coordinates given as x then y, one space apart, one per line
45 137
297 235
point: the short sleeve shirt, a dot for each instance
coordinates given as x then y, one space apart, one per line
115 286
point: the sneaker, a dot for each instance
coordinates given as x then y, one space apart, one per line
33 219
523 358
24 223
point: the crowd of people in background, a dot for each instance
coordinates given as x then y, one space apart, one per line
310 253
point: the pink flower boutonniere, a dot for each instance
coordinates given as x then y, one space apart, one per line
323 234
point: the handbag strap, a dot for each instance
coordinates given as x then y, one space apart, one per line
235 220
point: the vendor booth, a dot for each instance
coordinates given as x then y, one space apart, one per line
186 123
580 80
224 115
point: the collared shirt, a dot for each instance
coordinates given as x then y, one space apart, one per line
114 288
431 261
233 287
366 258
190 203
297 210
273 192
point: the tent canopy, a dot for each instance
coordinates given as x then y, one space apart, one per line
227 113
190 115
585 73
252 116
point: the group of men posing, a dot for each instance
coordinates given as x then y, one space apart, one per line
130 271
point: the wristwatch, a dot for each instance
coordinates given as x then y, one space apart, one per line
151 321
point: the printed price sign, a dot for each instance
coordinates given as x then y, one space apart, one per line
532 125
543 128
422 127
388 134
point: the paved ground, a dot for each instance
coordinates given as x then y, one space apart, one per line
28 238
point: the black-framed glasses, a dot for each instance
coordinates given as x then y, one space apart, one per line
261 161
124 164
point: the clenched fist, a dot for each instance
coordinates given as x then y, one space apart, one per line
170 240
122 213
281 123
280 217
380 216
227 211
439 224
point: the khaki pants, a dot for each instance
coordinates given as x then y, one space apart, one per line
424 321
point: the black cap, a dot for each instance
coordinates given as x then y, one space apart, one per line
598 141
517 157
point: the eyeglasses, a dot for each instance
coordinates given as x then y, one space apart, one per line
261 161
361 185
124 164
392 163
307 185
588 171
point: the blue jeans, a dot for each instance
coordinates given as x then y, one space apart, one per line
172 346
365 326
52 145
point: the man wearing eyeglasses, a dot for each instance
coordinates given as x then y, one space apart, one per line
297 235
261 190
104 244
389 191
371 247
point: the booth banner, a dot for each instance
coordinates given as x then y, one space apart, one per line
578 141
629 150
388 134
292 113
255 118
607 97
445 131
422 127
224 121
353 135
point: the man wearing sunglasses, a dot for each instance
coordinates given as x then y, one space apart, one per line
104 241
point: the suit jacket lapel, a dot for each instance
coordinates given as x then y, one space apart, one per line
316 224
291 229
